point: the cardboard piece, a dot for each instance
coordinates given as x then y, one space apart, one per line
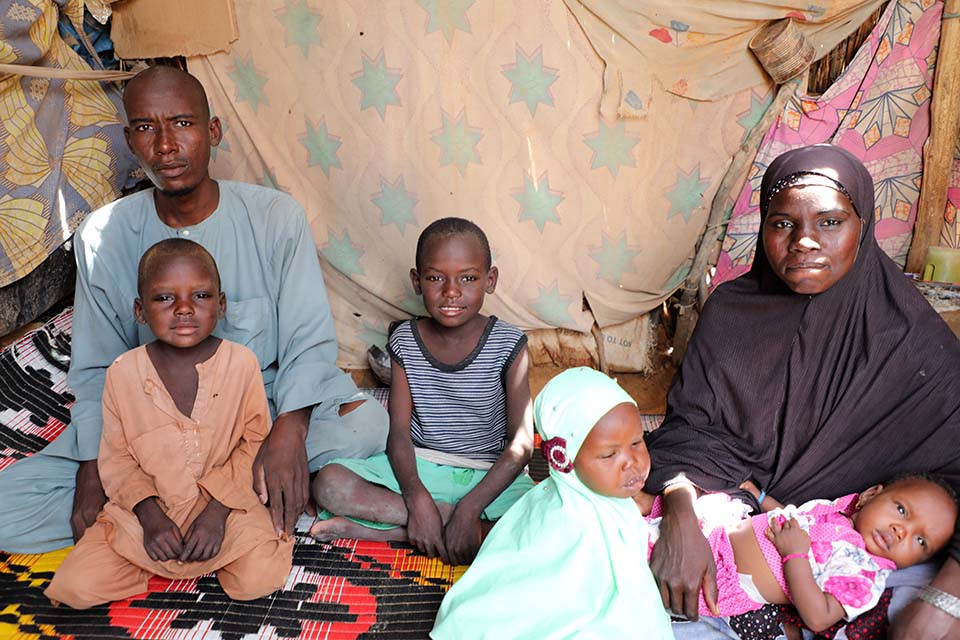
150 29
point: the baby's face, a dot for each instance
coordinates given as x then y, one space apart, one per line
613 460
908 521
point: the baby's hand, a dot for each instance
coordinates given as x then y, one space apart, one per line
789 537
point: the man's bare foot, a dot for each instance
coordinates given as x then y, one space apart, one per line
340 527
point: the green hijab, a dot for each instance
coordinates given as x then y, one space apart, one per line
563 562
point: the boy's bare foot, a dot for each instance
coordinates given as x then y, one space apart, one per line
340 527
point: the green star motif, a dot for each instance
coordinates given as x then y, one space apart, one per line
270 181
343 254
447 16
321 147
612 147
752 116
395 204
614 258
687 193
538 202
677 278
249 83
457 142
300 23
373 334
551 307
531 80
412 303
378 85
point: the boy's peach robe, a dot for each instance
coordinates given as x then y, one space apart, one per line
149 448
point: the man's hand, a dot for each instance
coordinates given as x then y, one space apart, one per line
205 535
462 536
920 620
88 499
281 478
425 525
161 536
682 561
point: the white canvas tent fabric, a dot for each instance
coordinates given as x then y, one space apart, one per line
381 116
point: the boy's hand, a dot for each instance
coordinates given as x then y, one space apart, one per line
205 535
789 537
161 536
463 535
425 525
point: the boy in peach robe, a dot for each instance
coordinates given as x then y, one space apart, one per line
183 418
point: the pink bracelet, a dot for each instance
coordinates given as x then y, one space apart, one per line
791 556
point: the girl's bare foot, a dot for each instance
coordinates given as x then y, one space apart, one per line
340 527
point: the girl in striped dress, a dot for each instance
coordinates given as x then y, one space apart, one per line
461 431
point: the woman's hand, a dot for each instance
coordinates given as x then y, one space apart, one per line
682 561
789 537
425 525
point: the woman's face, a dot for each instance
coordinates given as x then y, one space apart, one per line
811 234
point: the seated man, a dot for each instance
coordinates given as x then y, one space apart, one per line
277 307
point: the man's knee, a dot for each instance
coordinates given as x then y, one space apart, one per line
36 498
333 487
258 573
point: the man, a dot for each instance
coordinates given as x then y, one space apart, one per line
277 306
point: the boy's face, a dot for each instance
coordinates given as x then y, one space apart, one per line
181 302
907 522
453 279
613 460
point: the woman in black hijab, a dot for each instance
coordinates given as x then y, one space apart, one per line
819 373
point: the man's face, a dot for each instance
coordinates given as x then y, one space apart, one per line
170 134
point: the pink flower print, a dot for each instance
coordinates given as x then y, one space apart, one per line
853 591
821 551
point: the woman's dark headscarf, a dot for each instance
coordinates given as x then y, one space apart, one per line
814 396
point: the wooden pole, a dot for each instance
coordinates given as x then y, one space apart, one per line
694 287
938 152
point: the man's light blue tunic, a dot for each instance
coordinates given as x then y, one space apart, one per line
276 305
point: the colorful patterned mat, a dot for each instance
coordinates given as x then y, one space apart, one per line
348 589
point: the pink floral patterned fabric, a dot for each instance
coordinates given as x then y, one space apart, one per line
879 110
840 562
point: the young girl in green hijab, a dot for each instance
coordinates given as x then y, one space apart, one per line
569 558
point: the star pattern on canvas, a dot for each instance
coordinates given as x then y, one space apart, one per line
530 79
751 117
551 307
676 278
412 303
538 202
248 82
372 333
686 193
395 204
614 257
300 22
457 141
612 147
270 181
321 147
378 85
343 254
447 16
